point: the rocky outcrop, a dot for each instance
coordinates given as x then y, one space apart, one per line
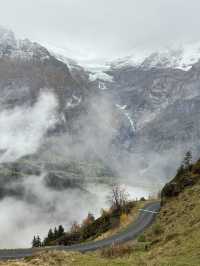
183 179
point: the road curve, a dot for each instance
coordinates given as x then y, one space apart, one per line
144 220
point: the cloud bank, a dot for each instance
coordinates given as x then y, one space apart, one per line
92 29
23 128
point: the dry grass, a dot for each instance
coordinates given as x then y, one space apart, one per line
44 259
117 251
77 259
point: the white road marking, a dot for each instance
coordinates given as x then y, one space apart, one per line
143 210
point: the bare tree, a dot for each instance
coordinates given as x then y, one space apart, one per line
75 227
118 198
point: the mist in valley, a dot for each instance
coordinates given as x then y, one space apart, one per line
56 178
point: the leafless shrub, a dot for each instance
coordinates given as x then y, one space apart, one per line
118 198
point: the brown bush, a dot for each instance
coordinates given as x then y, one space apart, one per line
117 250
88 220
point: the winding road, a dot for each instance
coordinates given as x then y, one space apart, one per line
145 219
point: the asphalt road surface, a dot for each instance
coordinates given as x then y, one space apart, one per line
145 219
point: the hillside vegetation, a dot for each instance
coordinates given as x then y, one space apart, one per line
111 220
173 240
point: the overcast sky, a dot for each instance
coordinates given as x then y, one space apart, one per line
103 28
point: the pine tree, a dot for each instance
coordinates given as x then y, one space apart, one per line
60 230
180 170
56 234
50 235
34 242
187 160
38 242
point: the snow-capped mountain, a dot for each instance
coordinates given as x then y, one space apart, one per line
157 95
146 86
141 88
181 57
23 49
28 70
174 57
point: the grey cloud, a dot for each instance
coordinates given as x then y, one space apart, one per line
103 28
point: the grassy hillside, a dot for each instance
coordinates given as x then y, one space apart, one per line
173 240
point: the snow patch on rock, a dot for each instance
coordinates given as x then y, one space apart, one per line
100 76
73 102
122 108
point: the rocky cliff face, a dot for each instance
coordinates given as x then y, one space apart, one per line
161 96
27 68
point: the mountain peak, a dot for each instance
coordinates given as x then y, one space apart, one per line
7 41
182 57
25 49
6 34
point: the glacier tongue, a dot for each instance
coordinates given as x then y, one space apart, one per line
100 76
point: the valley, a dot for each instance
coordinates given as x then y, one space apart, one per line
70 132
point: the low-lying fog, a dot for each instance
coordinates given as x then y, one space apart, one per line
30 205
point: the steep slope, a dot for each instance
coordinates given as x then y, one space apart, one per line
26 68
157 94
161 96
